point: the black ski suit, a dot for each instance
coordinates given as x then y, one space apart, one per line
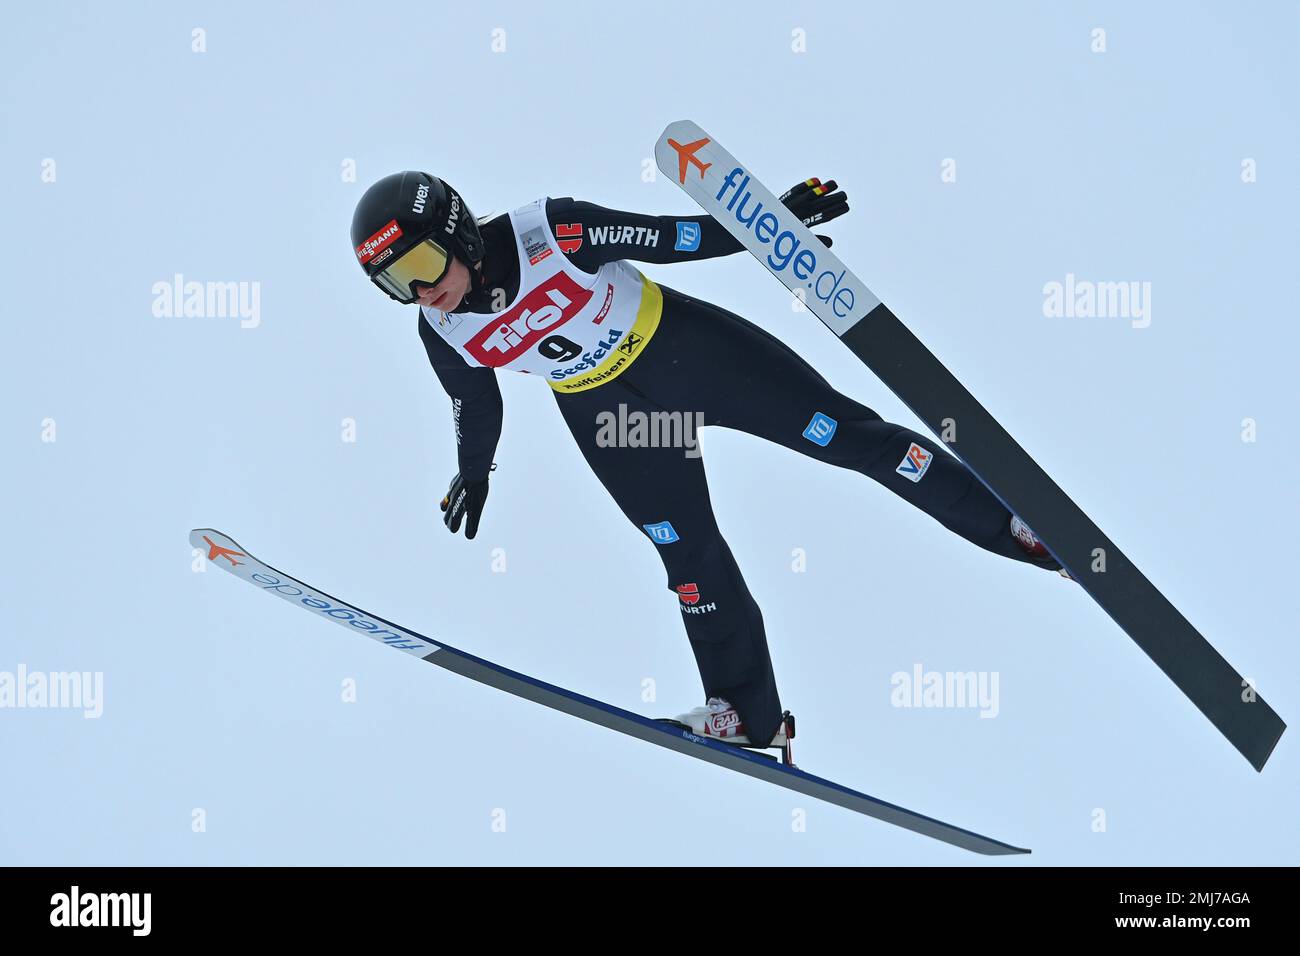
759 386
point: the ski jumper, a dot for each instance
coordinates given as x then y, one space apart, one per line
560 301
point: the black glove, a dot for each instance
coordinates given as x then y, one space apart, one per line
464 500
815 202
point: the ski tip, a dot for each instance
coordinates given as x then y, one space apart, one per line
681 126
208 539
1260 756
676 147
1011 851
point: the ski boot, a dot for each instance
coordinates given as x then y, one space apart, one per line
1030 544
718 720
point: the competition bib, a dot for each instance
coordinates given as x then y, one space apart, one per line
574 329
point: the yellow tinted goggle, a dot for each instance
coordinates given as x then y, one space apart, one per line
426 262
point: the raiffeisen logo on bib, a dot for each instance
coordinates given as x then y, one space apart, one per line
773 227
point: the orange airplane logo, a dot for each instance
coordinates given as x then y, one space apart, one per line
685 155
217 551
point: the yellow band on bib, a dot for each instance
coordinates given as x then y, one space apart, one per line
629 347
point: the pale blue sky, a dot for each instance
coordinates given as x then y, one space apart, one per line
226 166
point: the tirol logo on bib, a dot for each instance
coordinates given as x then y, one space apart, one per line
554 302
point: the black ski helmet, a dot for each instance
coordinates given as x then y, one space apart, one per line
403 211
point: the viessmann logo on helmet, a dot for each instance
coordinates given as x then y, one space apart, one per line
379 241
